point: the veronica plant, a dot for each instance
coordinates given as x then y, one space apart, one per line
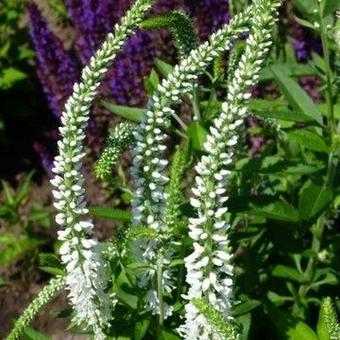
81 255
156 206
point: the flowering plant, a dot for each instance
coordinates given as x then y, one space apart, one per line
171 271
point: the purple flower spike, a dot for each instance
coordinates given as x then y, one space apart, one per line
94 20
57 71
299 42
209 15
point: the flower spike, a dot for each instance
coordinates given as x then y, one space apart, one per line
209 267
86 272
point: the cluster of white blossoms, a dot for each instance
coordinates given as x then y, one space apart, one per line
86 272
149 163
209 267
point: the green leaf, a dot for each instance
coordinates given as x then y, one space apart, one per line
52 270
305 6
7 192
285 115
245 307
309 140
127 298
113 214
132 113
245 320
302 332
280 211
23 191
290 69
31 334
141 327
151 82
14 246
312 200
169 336
330 7
164 68
295 95
10 76
197 134
304 23
288 273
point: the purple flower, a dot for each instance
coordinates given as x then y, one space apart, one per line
209 15
56 69
93 20
299 42
124 83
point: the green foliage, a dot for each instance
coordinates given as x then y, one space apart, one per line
13 246
295 95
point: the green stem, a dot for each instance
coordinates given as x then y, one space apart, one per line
195 104
328 70
160 290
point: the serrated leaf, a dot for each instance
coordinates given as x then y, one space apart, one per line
197 135
113 214
289 273
132 113
309 140
295 95
313 199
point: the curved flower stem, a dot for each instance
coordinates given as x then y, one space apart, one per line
43 298
86 272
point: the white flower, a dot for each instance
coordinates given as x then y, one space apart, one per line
209 268
86 273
